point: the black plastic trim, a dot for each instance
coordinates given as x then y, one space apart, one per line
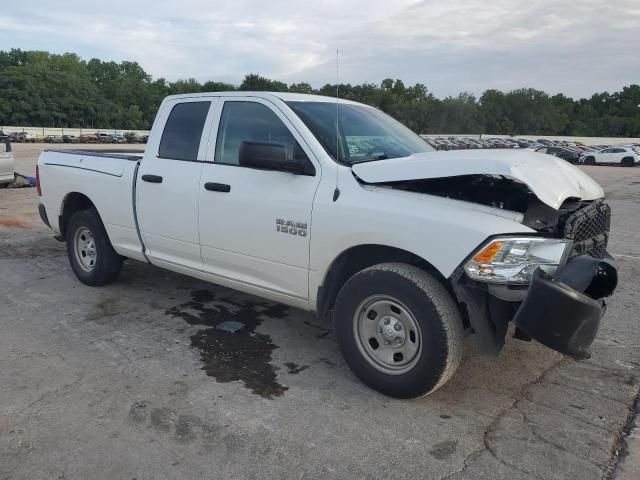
43 215
217 187
151 178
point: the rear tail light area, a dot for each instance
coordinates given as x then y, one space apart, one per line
38 181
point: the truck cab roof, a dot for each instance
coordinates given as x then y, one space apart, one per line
284 96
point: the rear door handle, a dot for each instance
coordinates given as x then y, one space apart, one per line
152 178
217 187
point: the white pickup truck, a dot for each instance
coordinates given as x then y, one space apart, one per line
7 163
334 207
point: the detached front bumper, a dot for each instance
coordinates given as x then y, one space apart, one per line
563 311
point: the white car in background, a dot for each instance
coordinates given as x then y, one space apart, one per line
7 164
622 155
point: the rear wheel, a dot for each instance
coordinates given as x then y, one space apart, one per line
92 258
399 329
589 161
628 162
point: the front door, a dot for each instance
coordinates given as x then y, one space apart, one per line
167 185
255 225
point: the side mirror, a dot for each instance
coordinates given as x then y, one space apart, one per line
270 156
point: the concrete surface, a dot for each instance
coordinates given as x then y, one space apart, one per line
136 380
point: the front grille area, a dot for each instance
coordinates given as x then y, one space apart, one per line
589 228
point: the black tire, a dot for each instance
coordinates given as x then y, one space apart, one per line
436 316
589 161
628 162
107 263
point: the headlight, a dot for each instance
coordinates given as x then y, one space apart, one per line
513 260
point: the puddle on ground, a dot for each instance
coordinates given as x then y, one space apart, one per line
230 354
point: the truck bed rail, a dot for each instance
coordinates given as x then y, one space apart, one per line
131 155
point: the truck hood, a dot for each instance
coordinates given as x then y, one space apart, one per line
551 179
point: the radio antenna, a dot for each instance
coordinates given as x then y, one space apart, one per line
336 192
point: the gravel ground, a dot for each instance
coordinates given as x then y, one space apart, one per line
134 380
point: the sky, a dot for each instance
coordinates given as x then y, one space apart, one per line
576 47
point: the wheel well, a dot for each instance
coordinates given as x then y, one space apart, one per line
354 259
72 203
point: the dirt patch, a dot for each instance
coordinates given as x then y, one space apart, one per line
11 223
39 246
231 355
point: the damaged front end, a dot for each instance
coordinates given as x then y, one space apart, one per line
563 311
559 307
551 281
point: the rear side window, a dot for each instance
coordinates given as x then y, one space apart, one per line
183 131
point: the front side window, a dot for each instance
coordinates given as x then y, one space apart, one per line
252 122
363 133
183 131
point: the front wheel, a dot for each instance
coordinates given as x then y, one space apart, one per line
92 258
589 161
628 162
399 330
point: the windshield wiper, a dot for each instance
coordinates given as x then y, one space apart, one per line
379 157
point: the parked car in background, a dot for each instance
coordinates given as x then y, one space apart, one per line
118 138
621 155
90 138
53 139
7 162
566 153
104 137
70 139
132 137
24 137
585 149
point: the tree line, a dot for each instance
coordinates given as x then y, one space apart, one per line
39 88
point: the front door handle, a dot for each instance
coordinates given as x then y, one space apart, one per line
217 187
152 178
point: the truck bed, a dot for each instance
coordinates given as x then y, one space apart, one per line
106 177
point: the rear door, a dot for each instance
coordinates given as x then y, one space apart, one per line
618 155
168 182
255 225
605 156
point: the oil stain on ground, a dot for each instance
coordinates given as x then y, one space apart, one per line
444 450
233 354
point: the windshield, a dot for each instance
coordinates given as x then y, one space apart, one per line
365 133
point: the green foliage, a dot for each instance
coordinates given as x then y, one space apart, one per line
38 88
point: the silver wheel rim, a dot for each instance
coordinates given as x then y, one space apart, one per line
387 334
85 249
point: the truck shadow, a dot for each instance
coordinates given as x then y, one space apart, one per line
236 337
